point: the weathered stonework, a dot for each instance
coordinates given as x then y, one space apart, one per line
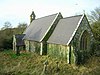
32 46
79 54
72 51
61 52
57 51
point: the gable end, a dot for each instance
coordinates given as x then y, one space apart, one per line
76 29
52 27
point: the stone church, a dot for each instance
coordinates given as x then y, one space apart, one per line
65 38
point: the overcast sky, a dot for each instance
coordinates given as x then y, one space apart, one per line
18 11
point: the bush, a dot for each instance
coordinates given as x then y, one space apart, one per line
96 48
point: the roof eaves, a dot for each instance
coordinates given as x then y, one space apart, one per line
75 30
49 27
57 43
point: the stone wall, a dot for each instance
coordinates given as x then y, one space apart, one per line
61 52
14 43
32 46
57 51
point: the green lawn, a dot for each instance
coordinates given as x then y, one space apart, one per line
32 64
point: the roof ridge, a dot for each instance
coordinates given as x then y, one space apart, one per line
71 16
46 16
80 20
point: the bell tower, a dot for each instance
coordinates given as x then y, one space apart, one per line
32 16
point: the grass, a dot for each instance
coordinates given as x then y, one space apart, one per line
32 64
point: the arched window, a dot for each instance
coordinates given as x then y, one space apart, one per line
84 41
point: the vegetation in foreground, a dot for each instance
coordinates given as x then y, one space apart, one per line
32 64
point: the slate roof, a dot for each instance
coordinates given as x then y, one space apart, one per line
38 28
19 39
64 30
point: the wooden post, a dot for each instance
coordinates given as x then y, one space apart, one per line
45 67
57 68
17 51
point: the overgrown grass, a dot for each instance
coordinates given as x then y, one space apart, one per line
32 64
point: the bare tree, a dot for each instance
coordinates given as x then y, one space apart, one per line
6 25
95 15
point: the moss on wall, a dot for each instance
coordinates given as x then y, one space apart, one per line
61 52
26 45
57 51
72 56
32 46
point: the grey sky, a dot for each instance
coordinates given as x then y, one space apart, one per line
18 11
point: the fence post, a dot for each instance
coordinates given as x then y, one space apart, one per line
45 67
18 51
57 68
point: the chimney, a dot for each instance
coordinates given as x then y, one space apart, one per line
32 16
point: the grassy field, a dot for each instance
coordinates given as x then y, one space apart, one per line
32 64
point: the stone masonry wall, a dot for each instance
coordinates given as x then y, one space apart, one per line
84 26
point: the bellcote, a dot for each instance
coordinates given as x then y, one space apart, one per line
32 16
